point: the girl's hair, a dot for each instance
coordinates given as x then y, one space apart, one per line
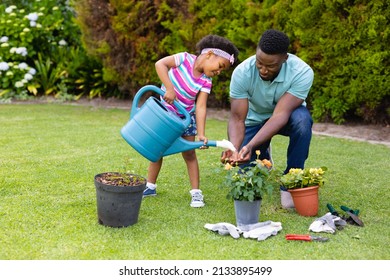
274 42
217 42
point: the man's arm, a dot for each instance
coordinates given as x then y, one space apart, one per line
285 106
236 126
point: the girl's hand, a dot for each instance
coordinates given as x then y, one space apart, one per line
169 96
205 140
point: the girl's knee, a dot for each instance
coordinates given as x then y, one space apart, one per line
189 155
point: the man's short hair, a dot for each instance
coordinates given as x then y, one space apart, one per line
274 42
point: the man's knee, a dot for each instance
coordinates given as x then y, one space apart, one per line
301 120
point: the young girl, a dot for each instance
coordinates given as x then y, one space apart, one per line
187 78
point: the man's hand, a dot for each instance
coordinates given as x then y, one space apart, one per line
235 158
245 154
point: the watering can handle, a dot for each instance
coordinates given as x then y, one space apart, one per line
134 107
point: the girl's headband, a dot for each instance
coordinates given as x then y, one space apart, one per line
220 53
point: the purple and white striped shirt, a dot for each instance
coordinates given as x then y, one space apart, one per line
185 84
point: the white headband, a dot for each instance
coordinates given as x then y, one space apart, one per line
220 53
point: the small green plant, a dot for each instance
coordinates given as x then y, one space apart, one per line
251 182
302 178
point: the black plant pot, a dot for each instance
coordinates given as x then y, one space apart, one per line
118 206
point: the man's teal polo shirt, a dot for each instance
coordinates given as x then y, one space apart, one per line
295 77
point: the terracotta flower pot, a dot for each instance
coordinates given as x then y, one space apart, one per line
305 200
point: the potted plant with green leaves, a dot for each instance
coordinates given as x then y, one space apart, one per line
119 197
247 187
303 184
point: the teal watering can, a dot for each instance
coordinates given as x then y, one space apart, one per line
155 131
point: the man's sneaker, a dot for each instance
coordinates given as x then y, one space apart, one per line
197 199
149 192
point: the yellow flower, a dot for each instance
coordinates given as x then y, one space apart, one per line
267 163
259 162
257 152
228 166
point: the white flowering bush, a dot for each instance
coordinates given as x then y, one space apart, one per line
37 27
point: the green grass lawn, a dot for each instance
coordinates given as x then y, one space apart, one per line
50 154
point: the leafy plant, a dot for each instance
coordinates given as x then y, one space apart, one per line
251 182
302 178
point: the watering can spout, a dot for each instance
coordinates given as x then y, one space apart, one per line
182 145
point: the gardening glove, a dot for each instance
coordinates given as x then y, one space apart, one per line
262 231
253 226
224 229
327 223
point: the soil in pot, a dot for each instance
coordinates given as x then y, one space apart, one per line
119 197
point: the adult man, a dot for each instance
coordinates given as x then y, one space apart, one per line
268 92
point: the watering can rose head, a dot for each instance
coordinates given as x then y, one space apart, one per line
302 178
251 182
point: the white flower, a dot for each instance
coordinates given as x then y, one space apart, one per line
4 39
62 43
9 73
19 84
26 30
33 23
4 66
32 16
32 71
9 9
12 50
28 76
22 65
4 45
22 51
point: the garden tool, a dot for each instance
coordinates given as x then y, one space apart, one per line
332 210
155 131
224 229
352 216
262 231
306 237
327 223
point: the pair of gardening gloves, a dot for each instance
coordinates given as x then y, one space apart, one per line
259 231
328 223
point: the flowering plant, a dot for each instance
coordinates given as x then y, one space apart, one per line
252 182
302 178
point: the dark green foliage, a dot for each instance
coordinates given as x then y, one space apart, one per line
346 43
347 47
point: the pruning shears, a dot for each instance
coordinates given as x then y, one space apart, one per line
306 237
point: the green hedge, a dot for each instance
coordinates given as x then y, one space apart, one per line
346 43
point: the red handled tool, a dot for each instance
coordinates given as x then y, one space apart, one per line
306 237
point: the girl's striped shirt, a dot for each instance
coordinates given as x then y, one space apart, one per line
185 84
